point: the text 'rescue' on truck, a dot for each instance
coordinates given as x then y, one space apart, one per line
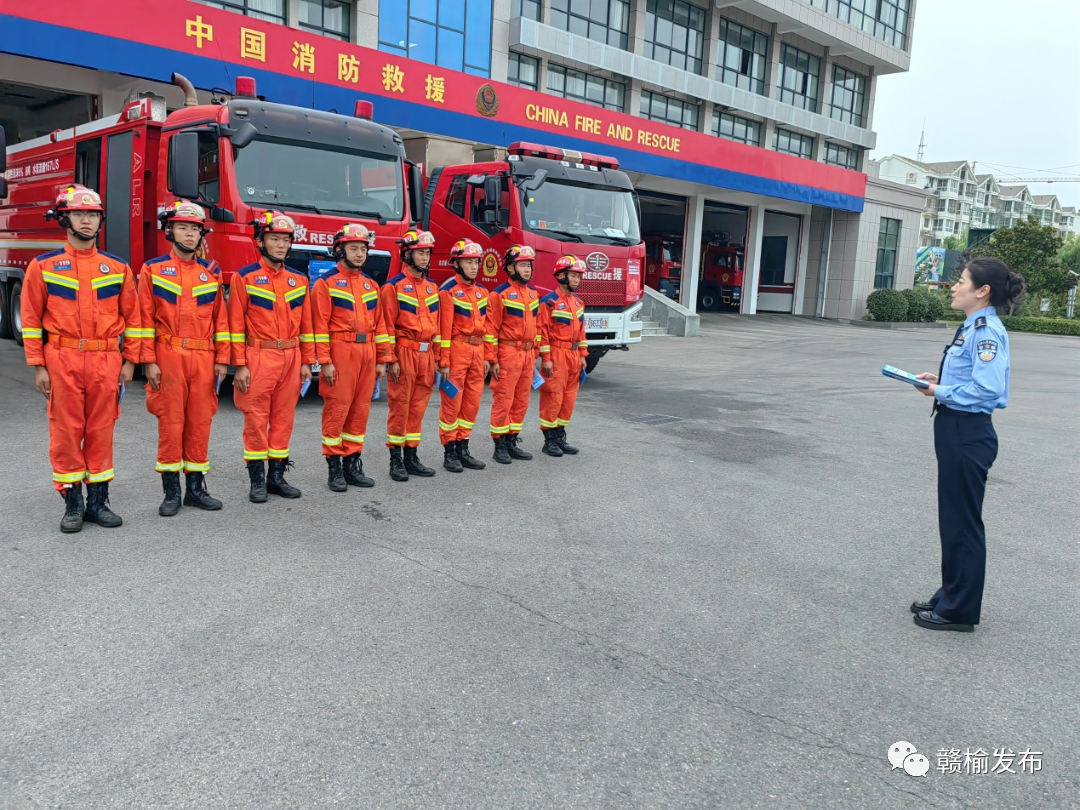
557 202
238 157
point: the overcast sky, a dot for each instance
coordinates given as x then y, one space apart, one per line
996 82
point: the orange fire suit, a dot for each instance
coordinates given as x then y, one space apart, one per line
513 311
75 306
349 332
463 327
185 331
271 333
411 308
562 330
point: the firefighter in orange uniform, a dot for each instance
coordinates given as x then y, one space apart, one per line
273 347
563 351
411 307
352 344
462 325
513 325
186 353
76 304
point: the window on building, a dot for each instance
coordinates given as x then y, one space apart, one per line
272 10
675 33
792 143
658 107
939 224
942 183
594 90
888 241
842 156
327 17
529 9
742 57
886 20
523 71
606 21
848 96
736 128
797 81
454 34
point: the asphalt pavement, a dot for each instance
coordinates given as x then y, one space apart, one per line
708 607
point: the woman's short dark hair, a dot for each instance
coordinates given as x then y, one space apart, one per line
1006 286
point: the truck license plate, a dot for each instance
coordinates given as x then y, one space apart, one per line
596 323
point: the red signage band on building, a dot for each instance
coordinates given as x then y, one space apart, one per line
194 29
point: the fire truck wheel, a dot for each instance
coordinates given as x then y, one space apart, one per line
710 298
5 316
592 359
15 311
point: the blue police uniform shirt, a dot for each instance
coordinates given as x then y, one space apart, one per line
975 377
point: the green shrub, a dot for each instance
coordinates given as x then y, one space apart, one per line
937 304
1046 326
916 305
887 305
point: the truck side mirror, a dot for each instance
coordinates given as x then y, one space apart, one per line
416 193
3 163
185 165
491 217
245 134
492 191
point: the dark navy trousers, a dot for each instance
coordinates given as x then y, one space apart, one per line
966 446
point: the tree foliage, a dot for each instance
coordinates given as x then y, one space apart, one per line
1032 250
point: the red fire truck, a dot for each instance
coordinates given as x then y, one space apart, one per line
663 264
239 156
721 276
558 202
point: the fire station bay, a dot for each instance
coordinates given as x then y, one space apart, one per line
742 126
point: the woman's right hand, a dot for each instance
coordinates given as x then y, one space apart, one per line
242 379
928 377
42 381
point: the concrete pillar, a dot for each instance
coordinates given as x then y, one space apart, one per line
871 95
705 117
711 54
292 13
772 64
633 98
365 24
695 215
541 75
825 83
500 39
801 271
636 38
752 268
545 12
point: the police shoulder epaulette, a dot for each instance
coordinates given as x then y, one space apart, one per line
396 278
980 322
243 271
50 254
448 284
503 287
113 256
158 259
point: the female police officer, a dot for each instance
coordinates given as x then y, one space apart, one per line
973 381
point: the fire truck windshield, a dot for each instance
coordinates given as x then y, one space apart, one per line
320 178
577 213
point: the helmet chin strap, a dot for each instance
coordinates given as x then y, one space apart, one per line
409 261
172 240
65 222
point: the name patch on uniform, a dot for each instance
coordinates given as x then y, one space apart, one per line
262 279
987 350
165 271
104 268
512 295
65 265
562 305
343 282
459 294
408 288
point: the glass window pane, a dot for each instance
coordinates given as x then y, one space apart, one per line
422 39
452 14
478 34
451 49
393 25
311 12
424 9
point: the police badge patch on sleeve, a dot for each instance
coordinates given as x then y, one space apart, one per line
987 350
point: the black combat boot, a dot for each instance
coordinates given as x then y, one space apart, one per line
354 472
73 509
97 507
551 444
196 494
413 465
397 467
516 452
257 474
501 455
170 483
450 457
336 479
560 437
465 457
275 479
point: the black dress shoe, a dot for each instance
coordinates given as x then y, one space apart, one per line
917 607
931 621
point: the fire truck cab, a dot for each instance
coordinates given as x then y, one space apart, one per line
663 264
721 277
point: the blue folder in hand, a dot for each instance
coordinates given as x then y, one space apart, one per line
584 376
903 376
304 387
446 386
538 379
375 393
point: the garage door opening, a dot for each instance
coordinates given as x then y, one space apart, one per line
779 262
663 219
30 112
724 230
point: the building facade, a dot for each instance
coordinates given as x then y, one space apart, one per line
774 101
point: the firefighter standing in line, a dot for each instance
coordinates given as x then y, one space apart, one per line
411 307
273 347
512 322
349 331
562 354
186 352
463 323
76 303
